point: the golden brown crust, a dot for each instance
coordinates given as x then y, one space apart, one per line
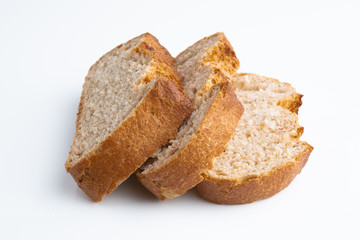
291 103
185 170
246 190
223 56
152 43
163 62
151 125
233 192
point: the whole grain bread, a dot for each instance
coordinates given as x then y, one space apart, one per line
179 165
131 104
265 154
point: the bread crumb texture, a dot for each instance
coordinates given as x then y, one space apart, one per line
265 145
178 166
130 106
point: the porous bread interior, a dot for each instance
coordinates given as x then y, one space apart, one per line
197 75
110 93
267 134
186 131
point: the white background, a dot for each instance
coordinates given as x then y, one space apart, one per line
46 49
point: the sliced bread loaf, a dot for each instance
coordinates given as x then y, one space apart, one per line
130 106
179 165
265 154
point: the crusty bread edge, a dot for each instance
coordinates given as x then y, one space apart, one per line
150 45
292 103
94 175
221 55
239 191
224 63
234 192
150 125
160 65
185 169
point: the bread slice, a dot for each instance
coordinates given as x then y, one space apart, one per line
265 154
179 165
130 106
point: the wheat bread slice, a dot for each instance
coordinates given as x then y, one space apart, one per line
130 105
179 165
265 154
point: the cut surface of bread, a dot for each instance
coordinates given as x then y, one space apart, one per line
205 64
130 106
178 166
265 154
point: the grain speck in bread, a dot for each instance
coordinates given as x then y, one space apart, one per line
178 166
130 106
265 154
